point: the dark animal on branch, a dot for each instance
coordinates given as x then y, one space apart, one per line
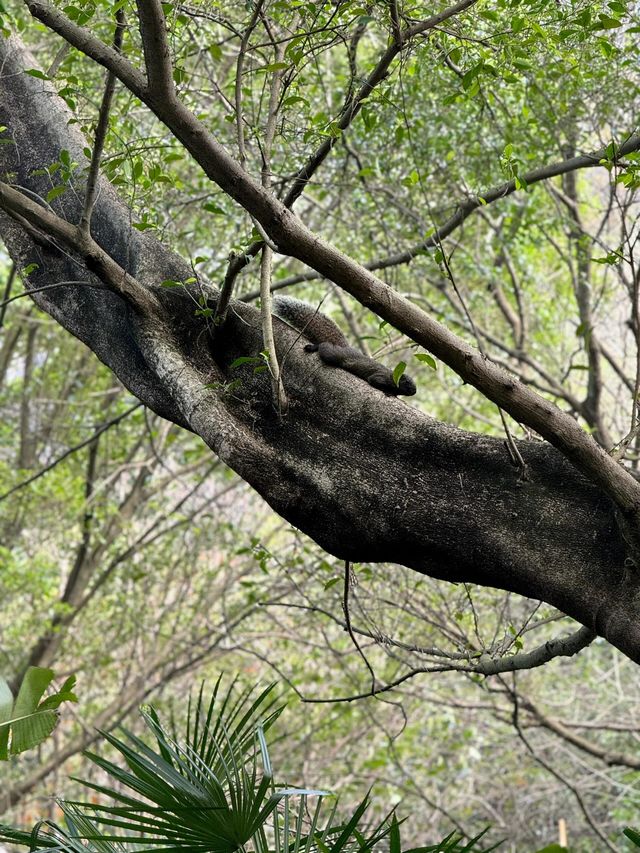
334 349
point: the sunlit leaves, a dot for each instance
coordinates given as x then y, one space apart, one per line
29 720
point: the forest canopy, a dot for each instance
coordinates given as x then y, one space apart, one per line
455 186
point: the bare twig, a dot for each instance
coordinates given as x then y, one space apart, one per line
348 578
569 785
244 42
101 132
512 447
103 428
267 251
97 286
561 647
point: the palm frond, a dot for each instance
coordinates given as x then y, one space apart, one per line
211 791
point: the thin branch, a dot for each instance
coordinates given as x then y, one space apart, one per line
6 296
422 27
267 252
556 774
101 132
344 120
267 330
244 42
616 367
432 651
27 451
76 579
512 447
45 226
84 40
561 647
591 406
543 173
113 422
348 580
395 21
96 285
608 756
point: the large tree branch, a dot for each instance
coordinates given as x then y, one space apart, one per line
478 202
368 477
295 239
157 56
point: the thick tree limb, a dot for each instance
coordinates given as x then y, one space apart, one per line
293 238
157 56
368 477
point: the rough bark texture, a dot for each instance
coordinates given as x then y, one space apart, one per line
370 478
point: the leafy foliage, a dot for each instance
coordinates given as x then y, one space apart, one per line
485 99
213 791
29 720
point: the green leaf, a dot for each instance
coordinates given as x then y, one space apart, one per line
34 683
65 694
180 75
470 76
273 66
6 705
294 99
35 72
427 359
394 836
633 835
606 22
244 359
398 370
56 191
30 721
211 207
30 730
